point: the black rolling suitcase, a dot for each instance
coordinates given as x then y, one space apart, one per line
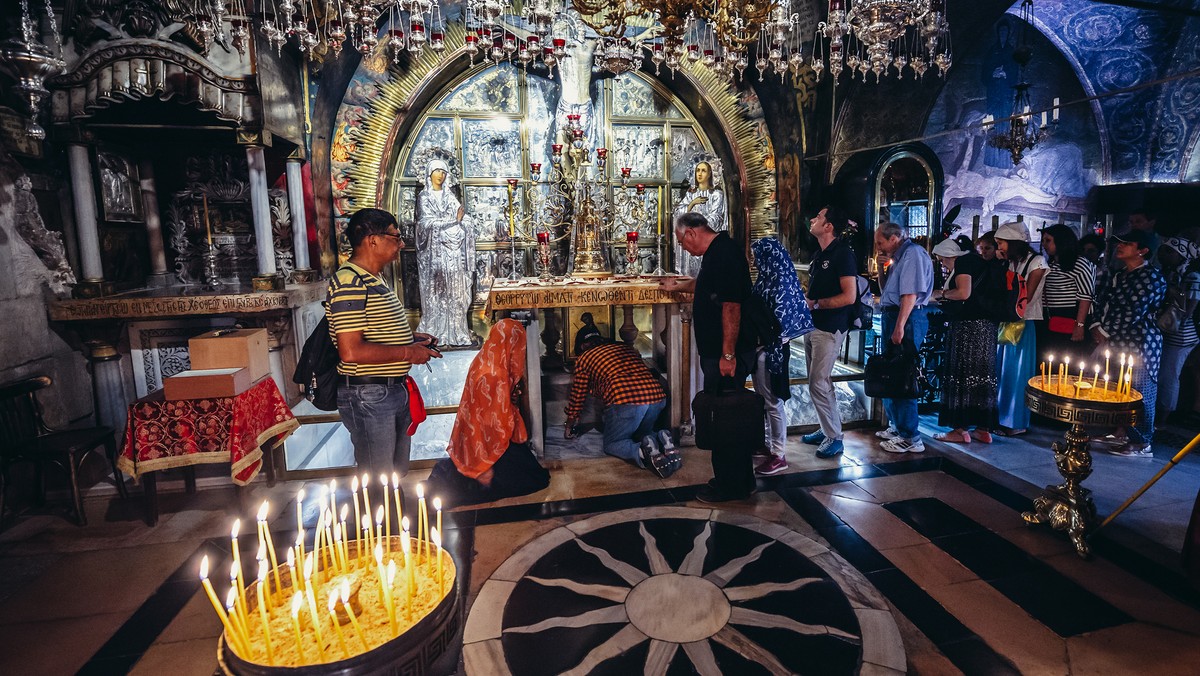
729 418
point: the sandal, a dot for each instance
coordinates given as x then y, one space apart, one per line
982 436
954 437
1009 432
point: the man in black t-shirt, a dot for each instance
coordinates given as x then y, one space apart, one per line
832 292
724 340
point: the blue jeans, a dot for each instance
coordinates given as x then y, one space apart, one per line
377 418
625 425
903 412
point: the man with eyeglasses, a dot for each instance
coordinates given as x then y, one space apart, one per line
376 346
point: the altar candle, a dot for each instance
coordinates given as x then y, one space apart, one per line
237 564
385 588
312 606
331 543
216 603
1081 367
354 490
512 214
333 508
207 225
366 480
353 620
345 536
1107 356
1050 371
291 564
422 518
1095 373
297 602
437 508
1043 372
1105 385
338 562
387 514
300 508
1129 378
437 552
243 638
337 628
262 611
266 532
296 581
378 525
366 526
396 495
1066 372
391 601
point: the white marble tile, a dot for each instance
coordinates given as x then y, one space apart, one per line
518 564
882 644
485 619
642 513
485 658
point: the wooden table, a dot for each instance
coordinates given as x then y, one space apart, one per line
163 434
672 309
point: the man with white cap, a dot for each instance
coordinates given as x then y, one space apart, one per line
1015 364
1128 302
1176 255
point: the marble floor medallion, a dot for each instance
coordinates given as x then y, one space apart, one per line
671 590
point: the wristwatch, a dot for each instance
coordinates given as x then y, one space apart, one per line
728 356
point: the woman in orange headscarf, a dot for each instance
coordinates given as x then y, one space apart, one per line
489 424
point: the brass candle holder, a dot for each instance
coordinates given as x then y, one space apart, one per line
1068 506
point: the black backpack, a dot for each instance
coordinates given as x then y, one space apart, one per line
863 313
317 368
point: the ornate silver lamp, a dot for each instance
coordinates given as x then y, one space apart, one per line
30 63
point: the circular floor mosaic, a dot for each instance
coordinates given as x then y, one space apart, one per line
671 590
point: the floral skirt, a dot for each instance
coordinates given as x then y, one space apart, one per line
969 382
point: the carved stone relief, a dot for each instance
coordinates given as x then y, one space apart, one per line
47 245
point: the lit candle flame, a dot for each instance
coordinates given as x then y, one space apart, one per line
366 479
262 511
404 523
204 568
383 479
297 601
420 491
354 485
237 525
437 503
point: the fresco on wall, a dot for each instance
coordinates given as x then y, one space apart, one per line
1047 184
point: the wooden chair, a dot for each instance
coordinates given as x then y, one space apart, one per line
24 437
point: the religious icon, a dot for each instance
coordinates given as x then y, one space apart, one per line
120 187
445 257
703 196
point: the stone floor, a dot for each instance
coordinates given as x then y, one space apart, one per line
868 563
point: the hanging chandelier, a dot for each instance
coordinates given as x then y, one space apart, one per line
625 32
882 36
1023 132
30 63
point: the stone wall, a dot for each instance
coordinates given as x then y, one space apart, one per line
29 345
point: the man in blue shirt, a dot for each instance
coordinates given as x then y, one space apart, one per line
906 289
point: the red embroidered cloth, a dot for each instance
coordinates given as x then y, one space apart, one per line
162 434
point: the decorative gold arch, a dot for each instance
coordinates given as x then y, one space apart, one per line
399 95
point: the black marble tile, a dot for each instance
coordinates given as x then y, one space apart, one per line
920 608
927 464
973 656
810 509
823 477
632 661
143 628
985 554
856 550
576 507
1063 606
929 517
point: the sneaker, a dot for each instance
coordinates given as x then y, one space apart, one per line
901 445
888 434
813 438
665 442
830 448
649 449
774 464
1131 451
711 495
1111 440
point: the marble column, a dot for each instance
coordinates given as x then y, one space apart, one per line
86 226
268 278
158 256
107 382
295 187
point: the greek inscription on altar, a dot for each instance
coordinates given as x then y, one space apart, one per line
583 295
70 310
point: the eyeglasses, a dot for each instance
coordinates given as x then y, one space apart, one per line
393 235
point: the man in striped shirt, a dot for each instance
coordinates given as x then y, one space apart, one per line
375 346
632 397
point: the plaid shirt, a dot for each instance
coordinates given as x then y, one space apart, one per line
618 375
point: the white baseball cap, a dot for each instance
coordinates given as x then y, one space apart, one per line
1014 231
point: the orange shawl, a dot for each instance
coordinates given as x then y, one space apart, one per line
487 419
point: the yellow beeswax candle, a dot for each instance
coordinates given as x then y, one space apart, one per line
396 495
337 628
390 598
266 535
353 620
297 602
437 553
216 603
357 517
366 480
387 514
262 612
312 606
422 517
239 627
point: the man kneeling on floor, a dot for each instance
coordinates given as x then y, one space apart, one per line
632 397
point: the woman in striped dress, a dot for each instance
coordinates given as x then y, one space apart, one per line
1068 296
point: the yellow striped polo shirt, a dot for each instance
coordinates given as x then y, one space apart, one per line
360 301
